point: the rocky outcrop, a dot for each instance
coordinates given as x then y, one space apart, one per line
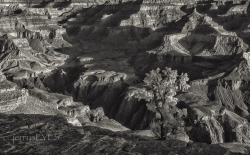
10 96
136 115
154 14
100 83
212 123
101 76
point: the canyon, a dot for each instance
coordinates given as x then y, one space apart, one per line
83 62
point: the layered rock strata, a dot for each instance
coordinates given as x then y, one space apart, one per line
110 45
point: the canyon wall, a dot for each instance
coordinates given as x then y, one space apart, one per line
97 53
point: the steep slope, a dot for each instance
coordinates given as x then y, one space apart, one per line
50 133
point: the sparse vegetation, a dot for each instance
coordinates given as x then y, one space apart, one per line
162 88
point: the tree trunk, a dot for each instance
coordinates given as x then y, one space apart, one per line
164 112
163 137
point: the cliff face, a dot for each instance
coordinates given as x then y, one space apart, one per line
97 52
11 98
154 15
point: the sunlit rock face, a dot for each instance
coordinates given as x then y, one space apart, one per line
154 14
246 55
11 96
27 39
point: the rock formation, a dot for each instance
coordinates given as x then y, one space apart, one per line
86 61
